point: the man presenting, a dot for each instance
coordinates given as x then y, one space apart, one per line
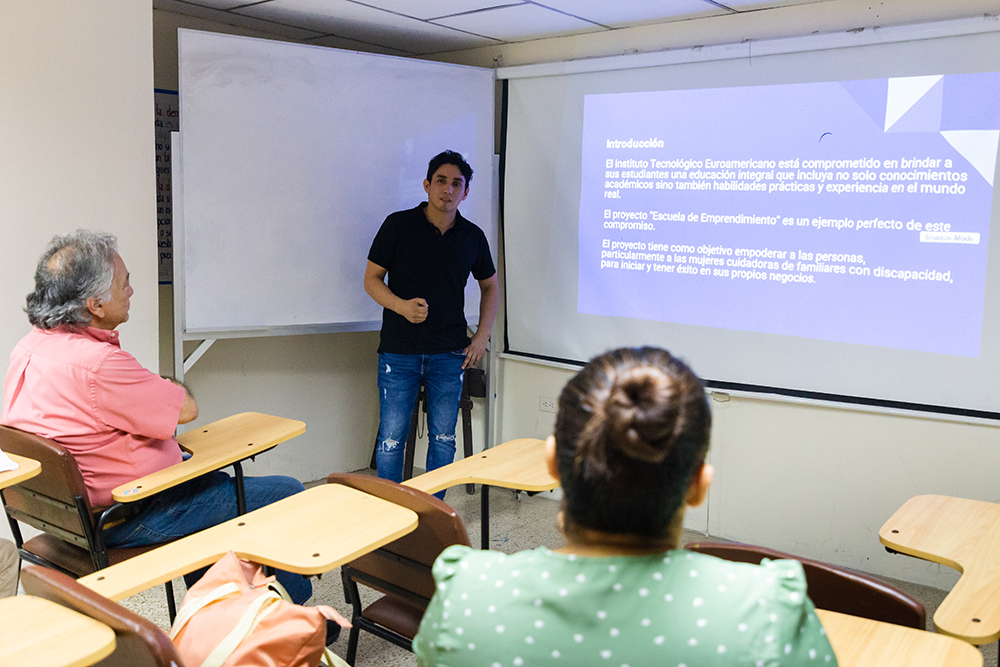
70 381
428 253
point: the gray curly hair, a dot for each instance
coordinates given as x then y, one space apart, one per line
72 269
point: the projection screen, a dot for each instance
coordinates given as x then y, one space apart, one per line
813 223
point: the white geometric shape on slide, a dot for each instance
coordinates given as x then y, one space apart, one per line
903 93
979 147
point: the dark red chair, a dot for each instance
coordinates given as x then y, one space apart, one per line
55 502
401 570
831 587
138 642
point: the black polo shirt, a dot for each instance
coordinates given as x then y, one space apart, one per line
423 263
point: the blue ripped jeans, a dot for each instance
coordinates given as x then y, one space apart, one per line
399 378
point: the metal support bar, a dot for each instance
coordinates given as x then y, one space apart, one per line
241 497
171 604
484 517
193 358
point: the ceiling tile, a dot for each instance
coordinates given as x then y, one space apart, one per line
621 13
335 42
519 22
202 12
365 24
214 4
430 9
744 5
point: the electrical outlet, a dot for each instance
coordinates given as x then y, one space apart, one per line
546 404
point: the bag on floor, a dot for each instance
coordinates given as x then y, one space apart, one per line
236 617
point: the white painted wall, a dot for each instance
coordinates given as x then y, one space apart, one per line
76 148
814 480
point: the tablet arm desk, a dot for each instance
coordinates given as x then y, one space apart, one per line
224 442
516 464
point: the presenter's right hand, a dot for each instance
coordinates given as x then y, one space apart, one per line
414 310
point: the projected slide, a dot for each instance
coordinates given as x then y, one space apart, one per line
853 211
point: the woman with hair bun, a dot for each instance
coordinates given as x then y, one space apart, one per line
629 447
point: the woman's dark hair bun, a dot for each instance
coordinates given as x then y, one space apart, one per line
641 413
631 432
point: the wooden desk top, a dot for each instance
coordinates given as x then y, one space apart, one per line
516 464
38 633
212 447
964 535
311 532
26 469
861 642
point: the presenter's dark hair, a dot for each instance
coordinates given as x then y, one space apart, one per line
450 157
72 269
631 432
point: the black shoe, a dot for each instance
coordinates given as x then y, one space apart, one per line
332 631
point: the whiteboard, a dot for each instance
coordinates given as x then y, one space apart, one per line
292 157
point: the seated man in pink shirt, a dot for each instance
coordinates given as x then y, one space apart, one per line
70 381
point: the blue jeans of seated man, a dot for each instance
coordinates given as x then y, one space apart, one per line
201 503
399 378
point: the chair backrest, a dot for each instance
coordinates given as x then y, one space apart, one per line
138 642
831 587
54 501
474 383
405 563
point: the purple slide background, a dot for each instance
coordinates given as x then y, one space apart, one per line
785 122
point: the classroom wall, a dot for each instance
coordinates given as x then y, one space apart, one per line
814 480
76 148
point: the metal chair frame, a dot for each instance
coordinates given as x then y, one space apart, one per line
81 527
401 570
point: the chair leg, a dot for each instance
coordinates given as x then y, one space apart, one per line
467 433
353 597
484 517
171 604
17 579
241 494
352 645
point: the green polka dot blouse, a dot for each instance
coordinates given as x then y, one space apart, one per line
678 609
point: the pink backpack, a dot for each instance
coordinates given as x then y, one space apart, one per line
236 617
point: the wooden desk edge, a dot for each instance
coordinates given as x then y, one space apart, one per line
972 640
831 618
454 474
299 429
26 469
194 467
434 485
888 539
179 473
98 582
103 651
102 636
916 553
885 536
